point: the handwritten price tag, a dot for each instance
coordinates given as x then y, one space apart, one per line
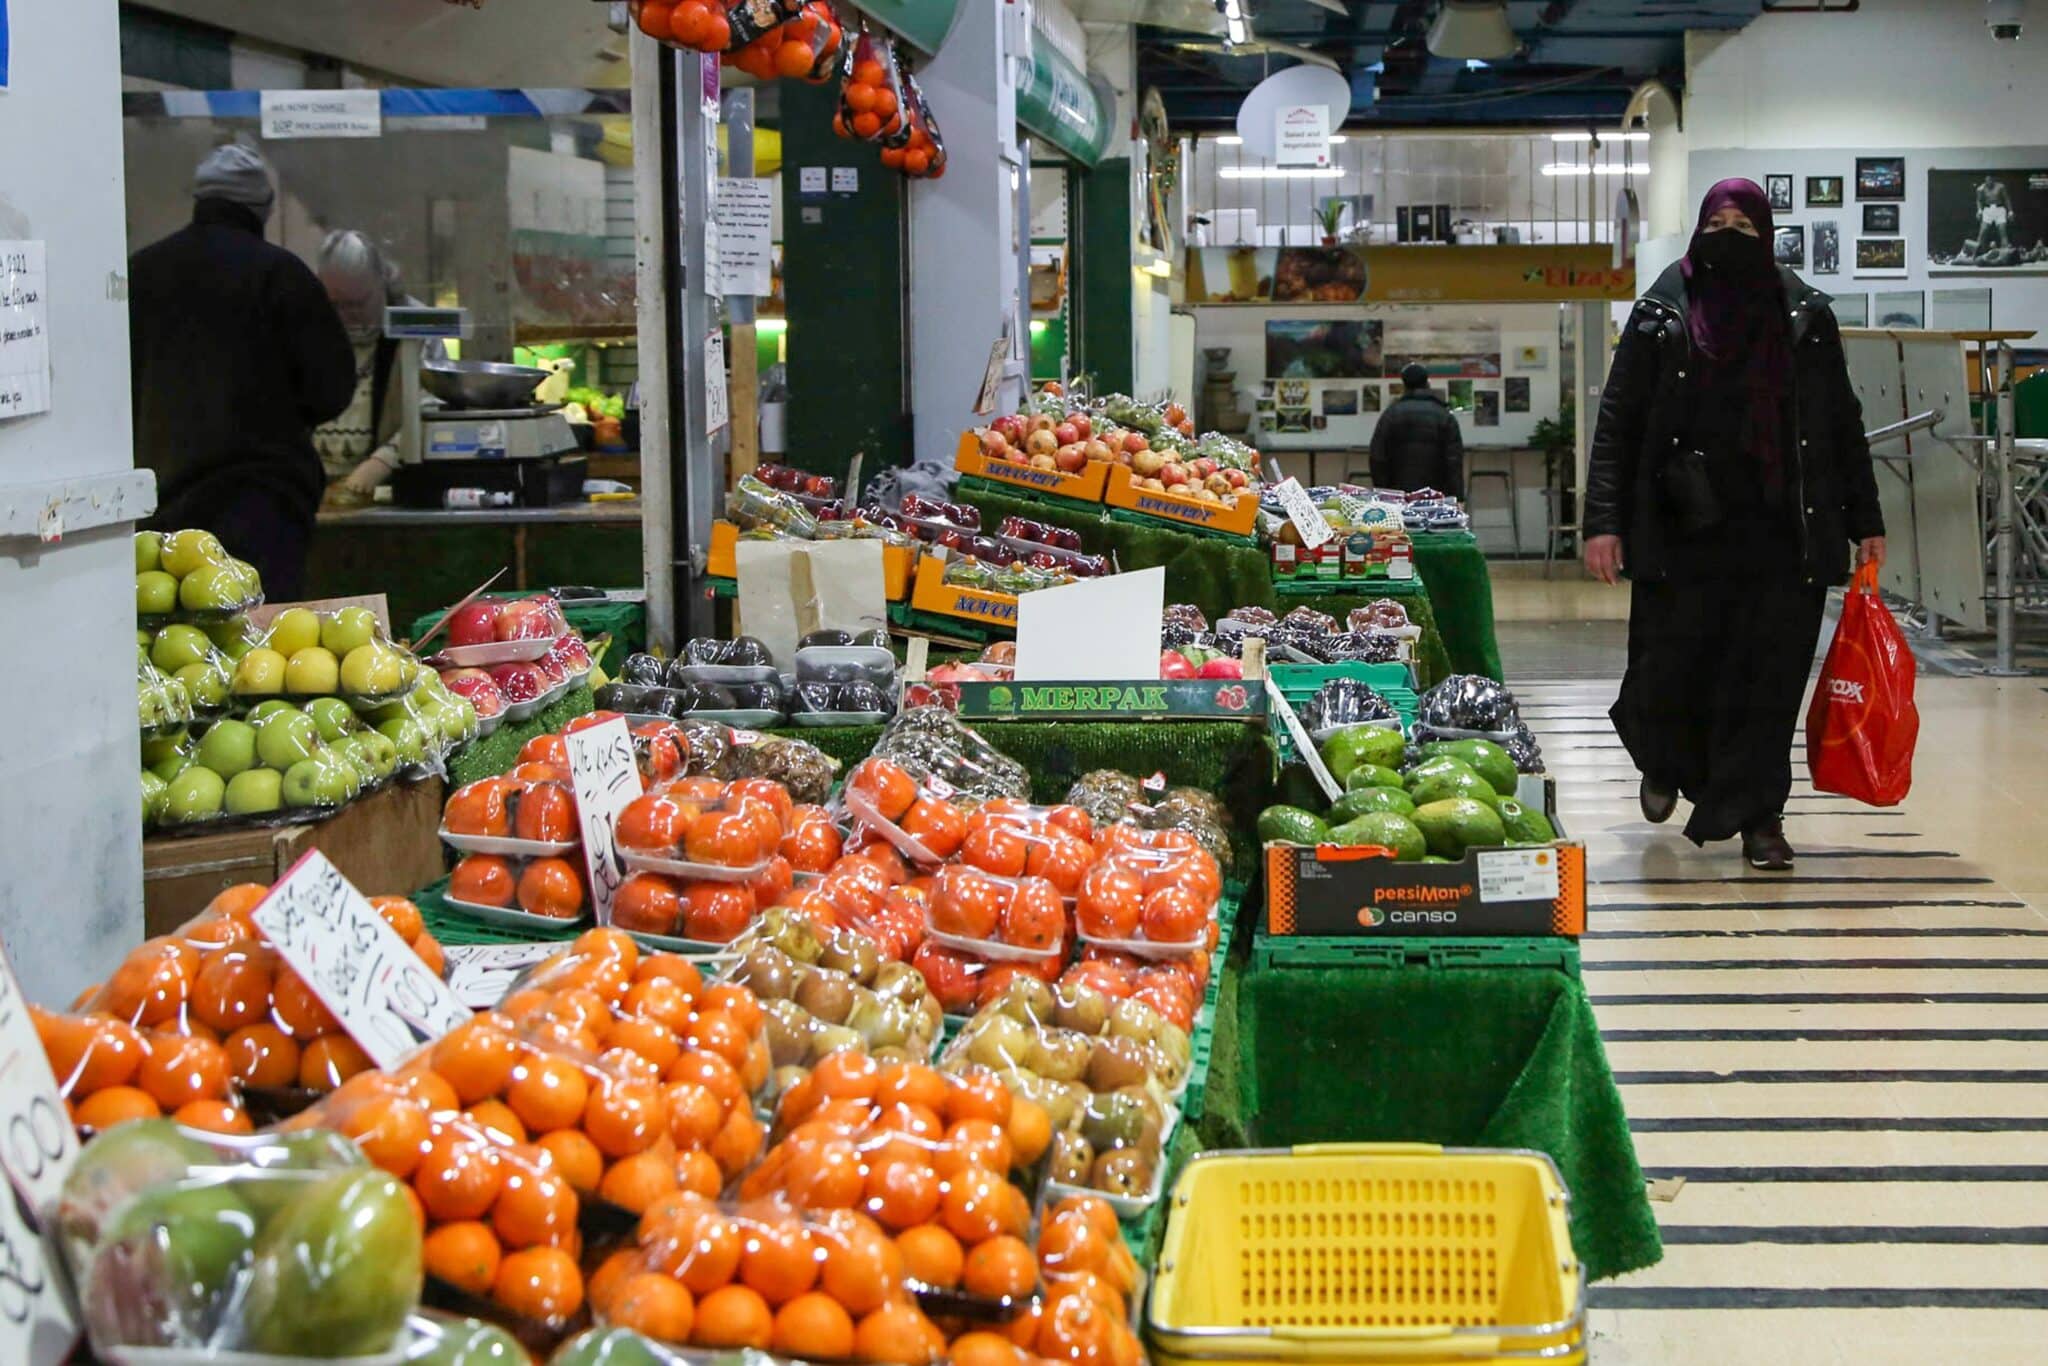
1305 745
37 1147
385 997
482 974
1303 512
607 779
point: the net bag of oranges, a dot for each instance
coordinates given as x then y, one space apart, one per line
806 48
870 89
206 1022
921 154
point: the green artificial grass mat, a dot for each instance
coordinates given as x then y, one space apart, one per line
498 752
1462 593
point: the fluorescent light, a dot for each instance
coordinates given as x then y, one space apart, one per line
1230 140
1561 169
1604 137
1038 325
1236 30
1336 138
1473 28
1162 267
1280 172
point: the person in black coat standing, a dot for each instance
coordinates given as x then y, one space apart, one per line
235 356
1416 443
1728 479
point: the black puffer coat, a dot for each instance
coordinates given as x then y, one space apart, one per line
1416 444
1645 415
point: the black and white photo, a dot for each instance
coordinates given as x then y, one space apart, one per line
1788 245
1486 408
1827 247
1516 394
1823 192
1779 188
1880 219
1880 177
1987 220
1881 256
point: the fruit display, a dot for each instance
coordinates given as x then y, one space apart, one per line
1156 442
1111 797
1198 661
205 1024
1472 706
281 762
163 704
932 745
521 840
187 575
190 1245
805 47
1343 703
509 657
879 102
1311 637
308 654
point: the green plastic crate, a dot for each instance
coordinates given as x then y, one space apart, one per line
1299 682
1273 953
1202 1037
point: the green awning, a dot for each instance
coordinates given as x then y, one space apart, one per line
1059 105
921 23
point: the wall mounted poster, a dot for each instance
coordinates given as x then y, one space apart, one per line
1823 191
1324 350
1458 394
1788 246
1779 189
1881 257
1880 219
1880 177
1486 408
1903 308
1827 247
1987 220
1444 346
1340 402
1369 398
1517 394
1291 413
1318 275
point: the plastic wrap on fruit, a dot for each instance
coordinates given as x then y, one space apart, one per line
1348 647
438 1339
968 571
838 986
807 771
754 504
871 104
1106 795
931 742
1346 702
1469 702
1308 619
1522 748
1381 614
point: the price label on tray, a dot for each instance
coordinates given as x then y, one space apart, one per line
1303 512
481 974
37 1147
1517 874
607 779
385 997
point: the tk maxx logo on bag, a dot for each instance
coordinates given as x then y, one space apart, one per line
1846 690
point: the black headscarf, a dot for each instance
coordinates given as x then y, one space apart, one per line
1739 327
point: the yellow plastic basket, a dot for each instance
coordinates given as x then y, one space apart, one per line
1406 1253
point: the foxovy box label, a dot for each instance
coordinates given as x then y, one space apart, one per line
1209 698
1338 890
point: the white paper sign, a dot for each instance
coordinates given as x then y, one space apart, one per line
810 180
717 397
24 330
37 1147
992 377
1517 874
846 180
385 997
846 577
482 974
322 114
1301 135
1096 630
745 207
1302 511
607 779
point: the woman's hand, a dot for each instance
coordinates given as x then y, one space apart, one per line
1870 550
1603 557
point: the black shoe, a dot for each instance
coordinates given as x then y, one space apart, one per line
1765 847
1657 803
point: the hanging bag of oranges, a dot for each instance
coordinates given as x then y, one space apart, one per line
870 91
807 48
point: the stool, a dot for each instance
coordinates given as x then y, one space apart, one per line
1507 480
1556 529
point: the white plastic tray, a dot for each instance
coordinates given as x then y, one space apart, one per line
506 846
498 652
511 917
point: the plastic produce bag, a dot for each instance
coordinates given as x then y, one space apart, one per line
1862 724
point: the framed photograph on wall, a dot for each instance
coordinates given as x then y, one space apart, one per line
1486 408
1880 219
1827 247
1369 398
1982 221
1340 402
1880 177
1881 257
1823 192
1517 394
1458 395
1852 310
1904 308
1779 189
1788 245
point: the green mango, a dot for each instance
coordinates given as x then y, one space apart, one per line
117 1166
336 1272
1358 745
1386 828
1524 824
1366 799
168 1263
1291 825
1455 824
1371 775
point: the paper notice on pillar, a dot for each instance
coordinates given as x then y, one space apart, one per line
1091 631
745 208
24 330
1301 135
323 114
717 400
846 580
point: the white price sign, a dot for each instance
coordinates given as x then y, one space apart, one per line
717 396
37 1147
1305 745
745 207
1302 511
607 779
323 114
385 997
24 330
482 974
1517 874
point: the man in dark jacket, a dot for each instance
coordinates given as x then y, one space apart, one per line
1416 443
236 355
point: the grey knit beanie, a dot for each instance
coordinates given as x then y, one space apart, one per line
237 174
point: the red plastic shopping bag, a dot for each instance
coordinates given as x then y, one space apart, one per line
1862 725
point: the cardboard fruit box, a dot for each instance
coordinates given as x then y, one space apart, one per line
1084 487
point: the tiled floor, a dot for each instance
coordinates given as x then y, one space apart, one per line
1848 1066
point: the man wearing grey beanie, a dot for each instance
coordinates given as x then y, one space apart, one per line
236 355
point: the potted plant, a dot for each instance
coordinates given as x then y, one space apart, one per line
1331 215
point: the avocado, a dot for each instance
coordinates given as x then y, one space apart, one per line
1388 829
1456 824
1434 858
1432 766
1291 825
1354 804
336 1272
1358 745
1525 823
1371 775
1489 761
1453 782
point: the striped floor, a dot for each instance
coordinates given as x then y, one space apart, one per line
1848 1067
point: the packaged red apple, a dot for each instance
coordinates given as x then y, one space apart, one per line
206 1021
490 631
702 828
183 1246
800 482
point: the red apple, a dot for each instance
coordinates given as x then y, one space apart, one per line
1174 664
1072 458
520 682
526 619
1067 433
1134 442
477 686
571 650
475 624
1221 668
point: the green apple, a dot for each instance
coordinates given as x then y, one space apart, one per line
234 637
286 737
356 749
207 681
334 717
156 795
348 629
255 791
460 720
158 748
149 549
259 673
269 706
248 583
293 630
372 670
301 784
212 588
194 795
228 747
408 739
177 645
156 593
178 698
343 778
311 672
181 552
383 753
172 764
